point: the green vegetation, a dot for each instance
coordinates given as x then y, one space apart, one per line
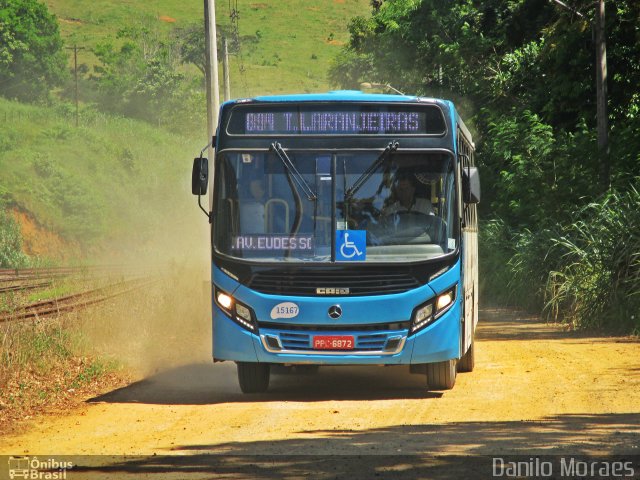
523 74
11 254
272 43
112 178
596 278
142 79
31 57
117 186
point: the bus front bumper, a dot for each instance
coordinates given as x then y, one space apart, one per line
437 342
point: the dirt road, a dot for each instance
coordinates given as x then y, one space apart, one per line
536 390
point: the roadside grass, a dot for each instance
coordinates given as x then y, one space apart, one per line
46 364
585 273
596 280
55 291
61 287
11 301
286 46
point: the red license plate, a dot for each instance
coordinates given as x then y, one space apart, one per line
333 342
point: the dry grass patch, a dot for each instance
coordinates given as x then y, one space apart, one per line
43 367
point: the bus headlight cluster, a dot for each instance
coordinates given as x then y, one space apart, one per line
427 313
238 312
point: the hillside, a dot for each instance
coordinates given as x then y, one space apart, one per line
113 181
285 46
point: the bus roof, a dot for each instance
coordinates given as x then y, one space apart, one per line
339 96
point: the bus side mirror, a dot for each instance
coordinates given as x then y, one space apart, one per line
471 184
200 176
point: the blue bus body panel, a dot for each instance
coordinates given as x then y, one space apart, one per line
437 342
230 341
338 96
441 340
355 310
335 96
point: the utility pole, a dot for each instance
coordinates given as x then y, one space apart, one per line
211 82
600 35
225 69
75 49
601 83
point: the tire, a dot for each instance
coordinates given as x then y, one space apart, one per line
441 375
467 362
253 377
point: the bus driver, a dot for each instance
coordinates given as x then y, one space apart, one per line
404 191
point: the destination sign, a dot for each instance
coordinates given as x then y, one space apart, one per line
341 120
273 243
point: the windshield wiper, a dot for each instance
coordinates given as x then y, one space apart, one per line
362 179
299 179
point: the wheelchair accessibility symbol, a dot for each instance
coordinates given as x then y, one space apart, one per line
351 245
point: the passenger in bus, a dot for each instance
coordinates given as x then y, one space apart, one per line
252 208
403 197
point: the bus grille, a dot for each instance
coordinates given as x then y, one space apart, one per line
292 341
359 283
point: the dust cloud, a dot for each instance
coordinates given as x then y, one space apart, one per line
167 322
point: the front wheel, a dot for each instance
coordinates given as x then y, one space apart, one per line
442 375
253 377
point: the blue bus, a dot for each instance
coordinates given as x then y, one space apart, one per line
343 232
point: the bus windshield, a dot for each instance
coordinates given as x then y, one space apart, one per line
396 206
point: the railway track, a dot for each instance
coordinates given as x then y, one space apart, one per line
17 274
25 286
26 279
77 301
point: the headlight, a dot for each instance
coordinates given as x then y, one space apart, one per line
444 301
238 312
224 300
428 312
243 312
422 317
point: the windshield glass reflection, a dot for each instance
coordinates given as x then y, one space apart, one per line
395 208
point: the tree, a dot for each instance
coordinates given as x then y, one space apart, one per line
512 61
31 57
140 78
143 78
